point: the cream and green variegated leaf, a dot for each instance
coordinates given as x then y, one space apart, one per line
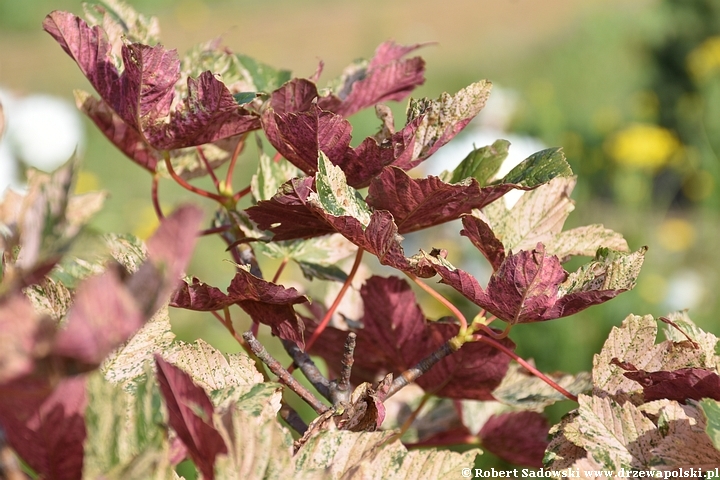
711 409
523 390
445 117
705 354
358 455
538 216
270 176
126 364
335 196
610 270
126 432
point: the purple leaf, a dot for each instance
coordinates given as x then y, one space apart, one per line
681 385
287 214
269 304
21 330
45 424
299 136
122 135
142 95
532 286
517 437
265 302
191 416
420 203
396 336
482 236
387 77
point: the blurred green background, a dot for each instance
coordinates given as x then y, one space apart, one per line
631 90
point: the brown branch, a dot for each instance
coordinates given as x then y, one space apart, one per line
283 375
411 374
308 367
341 388
292 418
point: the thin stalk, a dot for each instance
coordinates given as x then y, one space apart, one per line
328 315
461 318
308 367
220 229
227 322
411 374
241 193
183 183
155 197
233 160
280 269
208 167
528 367
283 375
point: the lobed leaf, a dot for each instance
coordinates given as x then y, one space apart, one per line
711 409
481 164
396 336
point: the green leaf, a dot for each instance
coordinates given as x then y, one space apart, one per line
270 176
240 73
244 97
539 168
335 196
125 434
711 409
481 164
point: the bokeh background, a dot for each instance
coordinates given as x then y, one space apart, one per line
631 90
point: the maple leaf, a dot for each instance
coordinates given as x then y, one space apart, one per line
385 77
396 336
300 135
532 286
264 301
191 416
537 217
334 207
142 95
420 203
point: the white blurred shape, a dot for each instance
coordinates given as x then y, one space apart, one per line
490 125
685 290
43 131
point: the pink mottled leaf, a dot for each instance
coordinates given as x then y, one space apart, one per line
517 437
102 317
45 423
191 416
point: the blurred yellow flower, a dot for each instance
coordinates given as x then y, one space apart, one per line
704 60
642 146
676 234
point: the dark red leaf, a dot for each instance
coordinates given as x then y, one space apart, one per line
299 136
191 416
680 385
517 437
269 304
396 336
45 424
122 135
525 288
102 317
420 203
265 302
387 77
297 95
482 236
21 329
287 214
142 95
